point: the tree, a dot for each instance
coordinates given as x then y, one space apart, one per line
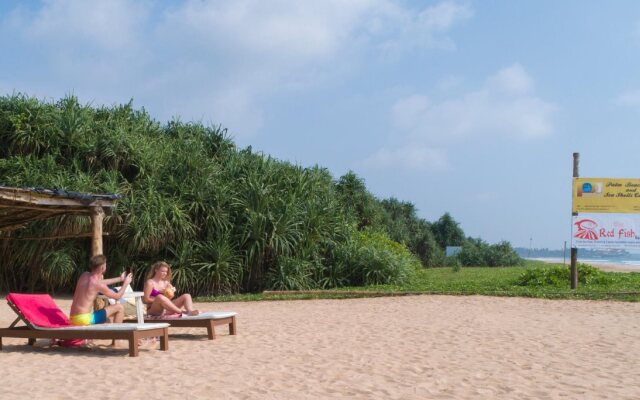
357 201
447 232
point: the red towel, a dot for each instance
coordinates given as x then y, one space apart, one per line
39 309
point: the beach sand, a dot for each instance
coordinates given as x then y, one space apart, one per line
415 347
609 267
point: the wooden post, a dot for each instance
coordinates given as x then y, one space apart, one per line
574 251
97 215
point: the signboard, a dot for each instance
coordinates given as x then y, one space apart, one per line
604 195
605 231
452 250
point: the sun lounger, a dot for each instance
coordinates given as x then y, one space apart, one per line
43 319
205 320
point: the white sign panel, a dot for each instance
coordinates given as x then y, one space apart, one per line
606 231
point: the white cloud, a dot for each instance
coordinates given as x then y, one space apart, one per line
512 80
630 98
417 158
309 30
427 28
217 59
409 111
111 25
440 19
272 47
449 83
505 105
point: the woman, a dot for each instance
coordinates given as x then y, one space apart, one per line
158 293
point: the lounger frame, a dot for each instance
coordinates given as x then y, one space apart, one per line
209 323
32 333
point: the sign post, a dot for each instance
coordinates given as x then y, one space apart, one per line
574 250
605 215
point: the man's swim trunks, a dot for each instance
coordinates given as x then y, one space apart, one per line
96 317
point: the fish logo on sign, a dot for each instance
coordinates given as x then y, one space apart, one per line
586 229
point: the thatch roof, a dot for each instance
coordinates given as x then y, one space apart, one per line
19 206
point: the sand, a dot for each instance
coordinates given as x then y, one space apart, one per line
416 347
609 267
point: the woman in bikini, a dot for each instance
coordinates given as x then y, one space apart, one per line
159 293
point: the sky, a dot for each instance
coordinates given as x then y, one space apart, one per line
468 107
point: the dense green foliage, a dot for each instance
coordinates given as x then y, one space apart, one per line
493 281
228 220
560 275
476 252
400 221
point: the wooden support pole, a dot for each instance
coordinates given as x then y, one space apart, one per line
574 251
58 237
97 215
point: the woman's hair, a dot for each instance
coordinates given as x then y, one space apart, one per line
156 266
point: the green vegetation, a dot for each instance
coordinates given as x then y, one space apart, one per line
233 221
558 276
535 279
476 252
229 220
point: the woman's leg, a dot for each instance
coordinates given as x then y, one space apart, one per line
186 302
161 303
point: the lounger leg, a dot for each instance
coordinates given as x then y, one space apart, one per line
164 340
0 343
32 341
232 326
133 345
133 348
211 331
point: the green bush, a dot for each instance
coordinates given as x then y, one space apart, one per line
371 258
560 276
476 252
453 262
290 274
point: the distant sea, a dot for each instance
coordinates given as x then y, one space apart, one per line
627 262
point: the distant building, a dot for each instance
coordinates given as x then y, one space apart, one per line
452 250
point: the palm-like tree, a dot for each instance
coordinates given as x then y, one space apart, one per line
228 220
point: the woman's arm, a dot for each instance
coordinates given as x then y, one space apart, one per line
148 287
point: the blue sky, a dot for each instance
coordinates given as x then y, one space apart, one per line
467 107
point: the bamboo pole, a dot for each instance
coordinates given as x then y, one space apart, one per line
58 237
97 216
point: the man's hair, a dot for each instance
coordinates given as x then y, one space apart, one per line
97 261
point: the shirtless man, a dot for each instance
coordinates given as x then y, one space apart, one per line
89 285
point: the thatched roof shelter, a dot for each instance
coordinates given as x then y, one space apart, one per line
20 206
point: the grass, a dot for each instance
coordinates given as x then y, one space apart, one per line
489 281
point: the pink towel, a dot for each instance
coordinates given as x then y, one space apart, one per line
39 309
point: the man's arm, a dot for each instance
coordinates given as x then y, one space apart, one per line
111 281
104 289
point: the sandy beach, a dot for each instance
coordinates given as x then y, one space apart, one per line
605 266
417 347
